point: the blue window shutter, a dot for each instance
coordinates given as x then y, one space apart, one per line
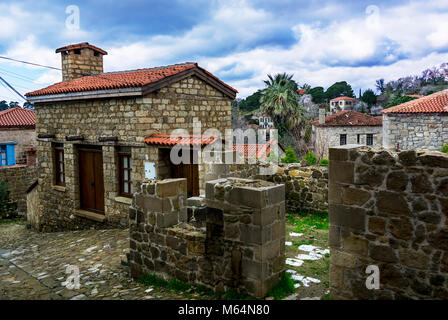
10 155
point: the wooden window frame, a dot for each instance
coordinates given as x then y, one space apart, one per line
345 139
121 169
367 139
57 166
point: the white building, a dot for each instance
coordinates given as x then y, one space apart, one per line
341 104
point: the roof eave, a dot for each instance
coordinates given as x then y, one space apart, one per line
83 95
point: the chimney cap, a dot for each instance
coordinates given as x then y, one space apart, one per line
81 45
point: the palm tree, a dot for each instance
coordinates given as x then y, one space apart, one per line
280 101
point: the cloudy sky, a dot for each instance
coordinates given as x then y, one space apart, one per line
240 41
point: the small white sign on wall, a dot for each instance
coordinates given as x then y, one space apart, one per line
150 170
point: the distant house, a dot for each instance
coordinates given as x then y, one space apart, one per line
259 151
301 92
264 121
345 127
342 103
17 135
420 123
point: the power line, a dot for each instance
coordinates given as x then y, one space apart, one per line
31 63
17 75
12 88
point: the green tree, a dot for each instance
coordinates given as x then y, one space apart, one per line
369 97
318 94
399 100
445 148
339 89
251 102
290 156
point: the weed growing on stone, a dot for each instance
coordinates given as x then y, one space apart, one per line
283 288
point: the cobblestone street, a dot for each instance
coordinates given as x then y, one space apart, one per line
33 265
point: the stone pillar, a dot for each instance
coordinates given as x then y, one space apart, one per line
157 207
321 115
250 217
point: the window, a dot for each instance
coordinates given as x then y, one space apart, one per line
7 154
358 138
59 165
125 172
343 139
369 139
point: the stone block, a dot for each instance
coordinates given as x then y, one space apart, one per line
356 197
171 187
392 203
341 172
377 225
401 228
165 220
413 259
253 269
382 253
356 245
342 259
347 216
250 234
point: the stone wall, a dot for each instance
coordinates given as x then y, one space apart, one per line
25 138
329 137
423 131
129 120
236 241
19 178
306 187
389 210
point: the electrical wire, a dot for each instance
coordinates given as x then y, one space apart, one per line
30 63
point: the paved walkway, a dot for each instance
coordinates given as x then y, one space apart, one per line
33 265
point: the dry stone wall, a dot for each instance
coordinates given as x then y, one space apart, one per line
389 210
235 241
19 178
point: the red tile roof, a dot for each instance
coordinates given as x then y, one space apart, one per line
301 91
260 151
122 79
171 140
17 118
349 118
434 103
81 46
414 95
343 98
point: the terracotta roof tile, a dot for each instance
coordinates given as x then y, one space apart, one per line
260 151
349 118
343 98
81 46
301 91
118 80
171 140
434 103
17 118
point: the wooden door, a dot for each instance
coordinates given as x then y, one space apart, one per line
91 181
191 173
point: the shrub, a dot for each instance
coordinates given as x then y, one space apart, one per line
310 158
290 156
445 148
283 288
323 162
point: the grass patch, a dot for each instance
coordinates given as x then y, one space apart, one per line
190 291
283 288
305 222
325 297
12 221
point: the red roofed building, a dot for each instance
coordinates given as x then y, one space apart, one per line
342 103
101 133
17 134
421 123
345 127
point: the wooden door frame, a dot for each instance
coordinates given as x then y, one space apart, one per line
89 150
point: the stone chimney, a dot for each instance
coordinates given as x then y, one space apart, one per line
321 115
80 60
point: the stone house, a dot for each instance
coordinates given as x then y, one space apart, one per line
420 123
342 103
17 136
345 127
101 134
